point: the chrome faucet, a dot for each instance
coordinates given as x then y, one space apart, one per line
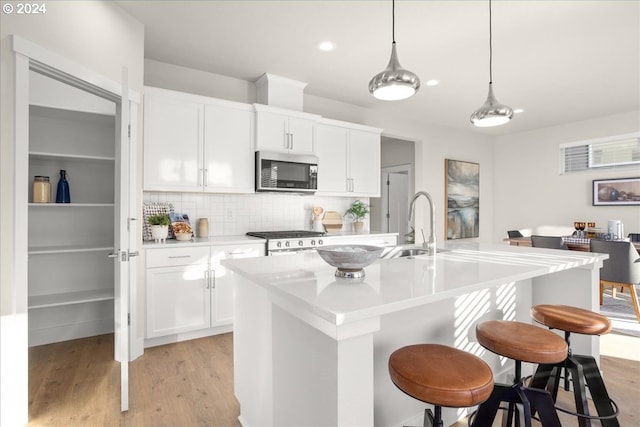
431 244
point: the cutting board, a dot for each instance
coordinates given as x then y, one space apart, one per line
332 221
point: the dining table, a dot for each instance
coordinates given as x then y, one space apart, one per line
573 243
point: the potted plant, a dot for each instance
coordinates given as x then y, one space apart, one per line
159 226
358 211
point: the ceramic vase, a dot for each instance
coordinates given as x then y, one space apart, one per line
159 233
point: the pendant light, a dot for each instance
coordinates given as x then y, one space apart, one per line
394 82
492 113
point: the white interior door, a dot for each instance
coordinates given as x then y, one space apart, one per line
123 252
398 203
395 200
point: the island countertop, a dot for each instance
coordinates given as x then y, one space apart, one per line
300 333
397 284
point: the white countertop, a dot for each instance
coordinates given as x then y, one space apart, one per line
305 282
204 241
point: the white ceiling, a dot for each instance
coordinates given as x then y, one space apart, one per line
561 61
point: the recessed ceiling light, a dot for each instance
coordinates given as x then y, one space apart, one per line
327 46
432 82
518 110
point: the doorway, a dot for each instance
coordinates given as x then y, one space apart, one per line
390 212
93 213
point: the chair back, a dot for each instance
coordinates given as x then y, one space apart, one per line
551 242
514 233
623 265
634 237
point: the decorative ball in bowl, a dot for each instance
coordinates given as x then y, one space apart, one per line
183 236
350 259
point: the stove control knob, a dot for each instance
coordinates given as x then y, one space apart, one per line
279 244
300 243
320 242
313 242
286 244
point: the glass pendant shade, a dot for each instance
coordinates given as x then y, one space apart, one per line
394 82
492 113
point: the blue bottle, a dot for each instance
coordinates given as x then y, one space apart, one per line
62 195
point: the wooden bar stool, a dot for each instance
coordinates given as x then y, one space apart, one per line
521 342
579 368
441 376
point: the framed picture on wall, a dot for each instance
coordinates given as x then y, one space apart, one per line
616 192
462 195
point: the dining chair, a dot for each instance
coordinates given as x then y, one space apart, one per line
551 242
514 233
622 269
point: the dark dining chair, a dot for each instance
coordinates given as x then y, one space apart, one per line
622 269
551 242
514 233
634 237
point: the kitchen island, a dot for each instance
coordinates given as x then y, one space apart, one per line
311 349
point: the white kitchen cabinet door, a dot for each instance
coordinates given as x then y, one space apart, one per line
283 133
178 299
364 163
271 132
331 149
222 296
228 150
301 135
173 140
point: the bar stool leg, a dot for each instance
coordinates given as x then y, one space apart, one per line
599 395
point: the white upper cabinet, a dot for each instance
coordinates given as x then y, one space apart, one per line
195 143
348 159
173 141
284 131
331 149
228 149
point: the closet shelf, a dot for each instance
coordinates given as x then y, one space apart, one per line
69 298
43 250
61 156
71 205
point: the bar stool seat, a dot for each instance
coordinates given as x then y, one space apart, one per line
583 370
521 342
442 376
571 319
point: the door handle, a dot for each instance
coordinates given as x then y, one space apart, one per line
135 253
113 254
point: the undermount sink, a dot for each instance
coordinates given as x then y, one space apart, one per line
407 252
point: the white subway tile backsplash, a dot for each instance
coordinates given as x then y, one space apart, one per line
236 214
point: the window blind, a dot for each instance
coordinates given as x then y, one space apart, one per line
618 151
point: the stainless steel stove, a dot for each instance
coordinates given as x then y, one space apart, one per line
290 242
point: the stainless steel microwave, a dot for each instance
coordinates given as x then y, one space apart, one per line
294 173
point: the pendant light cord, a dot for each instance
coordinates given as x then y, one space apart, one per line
490 47
393 21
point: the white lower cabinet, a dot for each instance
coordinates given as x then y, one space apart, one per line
188 290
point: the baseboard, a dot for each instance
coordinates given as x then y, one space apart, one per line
59 333
174 338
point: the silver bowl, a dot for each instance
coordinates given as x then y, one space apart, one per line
349 259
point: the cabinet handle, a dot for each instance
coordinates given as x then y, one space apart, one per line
206 177
212 277
179 256
291 145
200 172
206 279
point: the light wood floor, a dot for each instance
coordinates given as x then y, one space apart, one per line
76 383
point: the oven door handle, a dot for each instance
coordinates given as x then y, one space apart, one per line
291 251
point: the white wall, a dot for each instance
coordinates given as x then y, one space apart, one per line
103 38
530 192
